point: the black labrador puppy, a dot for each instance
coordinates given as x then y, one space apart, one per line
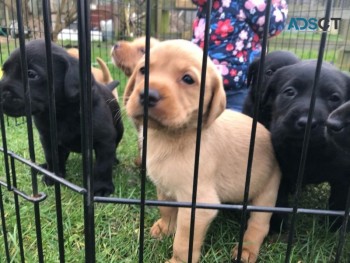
106 117
338 127
273 61
288 95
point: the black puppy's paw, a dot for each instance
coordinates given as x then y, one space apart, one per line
103 189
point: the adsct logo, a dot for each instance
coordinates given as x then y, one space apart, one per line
313 24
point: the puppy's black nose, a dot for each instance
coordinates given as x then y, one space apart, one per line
302 122
153 97
334 125
115 46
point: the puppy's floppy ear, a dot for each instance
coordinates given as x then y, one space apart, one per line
129 87
217 102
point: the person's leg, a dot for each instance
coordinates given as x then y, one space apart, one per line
235 99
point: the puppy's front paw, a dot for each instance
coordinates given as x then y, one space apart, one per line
249 254
160 228
103 189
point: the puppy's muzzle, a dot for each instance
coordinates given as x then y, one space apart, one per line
153 97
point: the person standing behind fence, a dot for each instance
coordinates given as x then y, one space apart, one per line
235 34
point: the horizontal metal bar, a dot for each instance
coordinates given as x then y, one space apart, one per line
100 199
3 184
38 168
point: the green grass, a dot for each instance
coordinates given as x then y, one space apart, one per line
117 225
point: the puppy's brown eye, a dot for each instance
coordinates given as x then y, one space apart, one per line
334 98
142 70
142 50
188 79
32 74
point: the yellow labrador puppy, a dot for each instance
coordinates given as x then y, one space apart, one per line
174 81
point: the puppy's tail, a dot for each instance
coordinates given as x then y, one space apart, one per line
107 77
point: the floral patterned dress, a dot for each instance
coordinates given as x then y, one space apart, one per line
236 28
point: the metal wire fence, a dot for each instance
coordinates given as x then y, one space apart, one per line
94 28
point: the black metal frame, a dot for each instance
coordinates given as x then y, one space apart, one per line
89 200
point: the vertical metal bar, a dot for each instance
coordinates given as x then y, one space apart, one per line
145 134
8 178
28 111
342 233
18 214
199 128
253 131
4 143
307 134
4 229
53 124
86 125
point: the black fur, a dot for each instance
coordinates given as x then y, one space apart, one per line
273 61
288 95
106 117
